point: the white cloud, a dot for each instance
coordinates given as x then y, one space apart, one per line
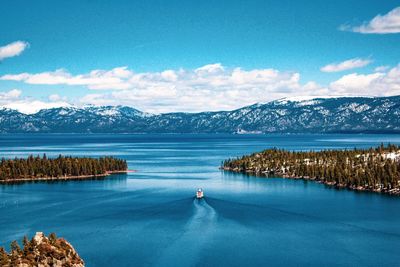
381 68
28 106
381 24
10 95
346 65
355 82
12 49
374 84
208 88
213 76
96 79
13 100
57 97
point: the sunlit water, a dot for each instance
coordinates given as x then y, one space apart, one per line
150 218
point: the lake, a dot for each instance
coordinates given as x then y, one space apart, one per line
150 218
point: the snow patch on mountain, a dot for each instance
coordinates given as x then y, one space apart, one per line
347 114
306 100
355 107
106 111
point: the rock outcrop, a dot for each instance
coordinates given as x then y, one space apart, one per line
41 251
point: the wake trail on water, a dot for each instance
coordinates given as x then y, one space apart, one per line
308 217
196 233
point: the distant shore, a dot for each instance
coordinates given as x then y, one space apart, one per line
63 178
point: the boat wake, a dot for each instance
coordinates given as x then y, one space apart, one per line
198 230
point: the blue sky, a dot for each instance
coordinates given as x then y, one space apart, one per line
151 53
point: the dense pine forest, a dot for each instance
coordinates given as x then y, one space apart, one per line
38 167
374 169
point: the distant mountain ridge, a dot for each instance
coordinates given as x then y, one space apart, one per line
317 115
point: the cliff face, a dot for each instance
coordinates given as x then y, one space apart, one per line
41 251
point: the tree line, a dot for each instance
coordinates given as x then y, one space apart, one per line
61 166
376 169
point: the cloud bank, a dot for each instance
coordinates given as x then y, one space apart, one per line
13 49
381 24
210 87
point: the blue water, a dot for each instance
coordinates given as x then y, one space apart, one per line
150 218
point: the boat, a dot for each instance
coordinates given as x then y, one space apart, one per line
199 193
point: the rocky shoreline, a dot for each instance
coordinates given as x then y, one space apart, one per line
63 178
394 191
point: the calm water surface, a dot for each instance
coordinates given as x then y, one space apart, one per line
150 218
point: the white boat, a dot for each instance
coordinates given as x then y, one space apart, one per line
199 193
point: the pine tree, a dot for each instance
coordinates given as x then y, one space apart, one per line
52 238
4 260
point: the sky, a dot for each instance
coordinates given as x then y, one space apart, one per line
191 56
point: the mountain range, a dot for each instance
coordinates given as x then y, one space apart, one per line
317 115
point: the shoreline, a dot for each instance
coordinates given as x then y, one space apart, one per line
392 192
64 178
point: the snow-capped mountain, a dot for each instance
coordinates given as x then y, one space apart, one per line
323 115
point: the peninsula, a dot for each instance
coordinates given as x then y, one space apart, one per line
374 169
59 168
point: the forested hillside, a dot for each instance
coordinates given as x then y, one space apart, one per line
374 169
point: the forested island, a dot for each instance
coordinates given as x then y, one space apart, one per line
62 167
41 251
374 169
